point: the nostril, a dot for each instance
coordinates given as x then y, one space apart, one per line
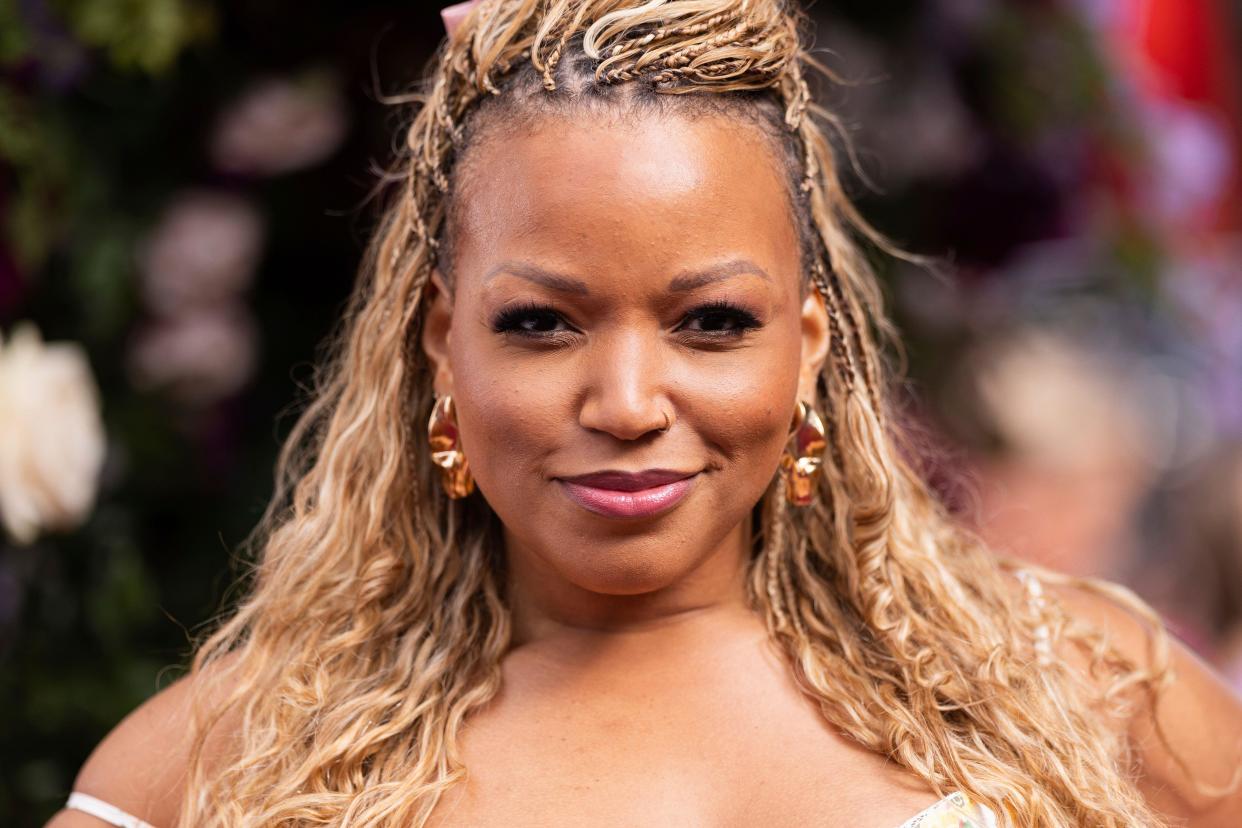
625 424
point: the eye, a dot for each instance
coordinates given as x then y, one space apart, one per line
529 319
720 319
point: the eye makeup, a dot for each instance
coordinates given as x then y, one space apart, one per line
527 318
722 318
717 320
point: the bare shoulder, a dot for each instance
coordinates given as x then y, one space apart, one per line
1199 714
141 765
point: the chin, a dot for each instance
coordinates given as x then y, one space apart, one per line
619 560
625 575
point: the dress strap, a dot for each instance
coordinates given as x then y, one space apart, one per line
108 812
956 810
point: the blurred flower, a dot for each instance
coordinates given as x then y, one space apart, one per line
280 125
1072 462
1059 404
51 435
1203 285
1192 162
202 251
200 357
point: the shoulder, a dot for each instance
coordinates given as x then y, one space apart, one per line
142 765
1187 738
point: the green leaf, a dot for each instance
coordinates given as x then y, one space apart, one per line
143 35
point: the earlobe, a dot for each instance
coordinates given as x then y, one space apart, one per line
436 331
815 340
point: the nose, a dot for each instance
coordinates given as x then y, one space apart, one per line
625 387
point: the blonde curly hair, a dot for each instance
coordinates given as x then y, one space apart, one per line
374 620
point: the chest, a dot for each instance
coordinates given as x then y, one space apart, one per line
720 747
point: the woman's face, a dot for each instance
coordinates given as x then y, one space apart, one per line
611 280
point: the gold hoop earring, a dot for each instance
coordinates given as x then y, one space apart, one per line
801 467
446 453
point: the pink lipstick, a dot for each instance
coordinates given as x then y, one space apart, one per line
629 494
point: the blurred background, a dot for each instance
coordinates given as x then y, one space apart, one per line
184 199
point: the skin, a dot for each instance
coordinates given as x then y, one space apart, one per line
641 690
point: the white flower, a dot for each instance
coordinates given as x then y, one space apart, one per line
51 435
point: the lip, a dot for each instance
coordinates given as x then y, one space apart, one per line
620 494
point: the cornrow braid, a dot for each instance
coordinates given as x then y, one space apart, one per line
838 348
772 546
565 28
843 306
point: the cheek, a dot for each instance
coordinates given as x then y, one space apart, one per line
739 404
508 418
741 407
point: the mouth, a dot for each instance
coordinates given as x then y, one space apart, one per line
629 494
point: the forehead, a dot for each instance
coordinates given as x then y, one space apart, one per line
651 192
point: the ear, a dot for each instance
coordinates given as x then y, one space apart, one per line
815 340
436 330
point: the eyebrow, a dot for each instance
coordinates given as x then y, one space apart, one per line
542 276
685 281
691 279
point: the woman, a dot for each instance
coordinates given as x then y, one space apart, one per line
659 557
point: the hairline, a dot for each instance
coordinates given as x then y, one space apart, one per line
519 111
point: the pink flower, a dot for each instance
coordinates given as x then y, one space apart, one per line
203 250
198 357
281 125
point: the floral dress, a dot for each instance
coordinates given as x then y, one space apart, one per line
956 810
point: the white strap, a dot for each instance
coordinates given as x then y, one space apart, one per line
105 811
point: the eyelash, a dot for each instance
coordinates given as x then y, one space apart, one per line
743 320
509 320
